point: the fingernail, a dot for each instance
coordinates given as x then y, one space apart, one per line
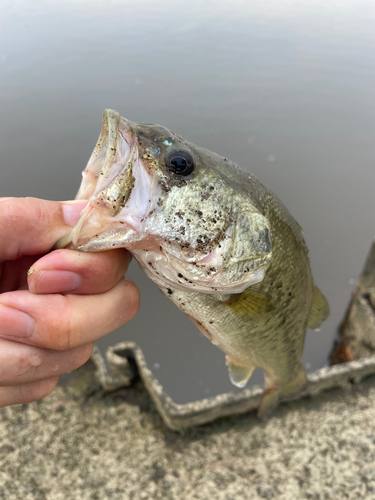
15 323
72 210
53 281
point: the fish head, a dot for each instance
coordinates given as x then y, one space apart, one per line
178 208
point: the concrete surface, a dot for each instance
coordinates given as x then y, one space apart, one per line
80 443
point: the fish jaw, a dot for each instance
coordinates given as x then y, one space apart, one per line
166 270
120 191
135 203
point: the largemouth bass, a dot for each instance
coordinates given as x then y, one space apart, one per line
217 243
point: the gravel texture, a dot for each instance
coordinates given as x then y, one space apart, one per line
79 443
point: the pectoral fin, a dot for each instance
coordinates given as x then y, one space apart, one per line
319 310
238 374
250 303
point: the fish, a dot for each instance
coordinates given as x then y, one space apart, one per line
218 244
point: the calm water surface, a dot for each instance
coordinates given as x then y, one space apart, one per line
284 88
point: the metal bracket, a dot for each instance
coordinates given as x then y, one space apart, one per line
129 356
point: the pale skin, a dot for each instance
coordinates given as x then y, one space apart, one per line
50 318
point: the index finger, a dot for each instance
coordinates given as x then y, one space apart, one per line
62 322
30 226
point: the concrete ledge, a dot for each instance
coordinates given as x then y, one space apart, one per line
84 443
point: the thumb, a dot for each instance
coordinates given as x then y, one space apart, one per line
72 210
30 226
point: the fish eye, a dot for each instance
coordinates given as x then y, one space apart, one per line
180 162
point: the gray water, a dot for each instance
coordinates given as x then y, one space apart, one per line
284 88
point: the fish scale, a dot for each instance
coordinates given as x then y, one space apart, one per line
220 245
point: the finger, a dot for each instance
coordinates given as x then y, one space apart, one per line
13 274
30 226
26 393
63 322
22 364
64 271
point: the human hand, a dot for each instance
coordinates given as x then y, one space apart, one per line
49 319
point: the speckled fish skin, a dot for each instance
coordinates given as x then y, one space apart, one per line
218 244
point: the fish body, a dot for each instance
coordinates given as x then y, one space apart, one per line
221 246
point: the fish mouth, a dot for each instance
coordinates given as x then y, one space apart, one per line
107 181
108 175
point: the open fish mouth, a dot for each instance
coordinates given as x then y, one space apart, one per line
107 184
108 175
135 201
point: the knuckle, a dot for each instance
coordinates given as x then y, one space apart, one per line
57 327
25 361
21 362
12 209
26 364
19 216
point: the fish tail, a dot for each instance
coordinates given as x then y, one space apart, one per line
277 390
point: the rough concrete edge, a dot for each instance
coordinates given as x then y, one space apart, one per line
180 416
